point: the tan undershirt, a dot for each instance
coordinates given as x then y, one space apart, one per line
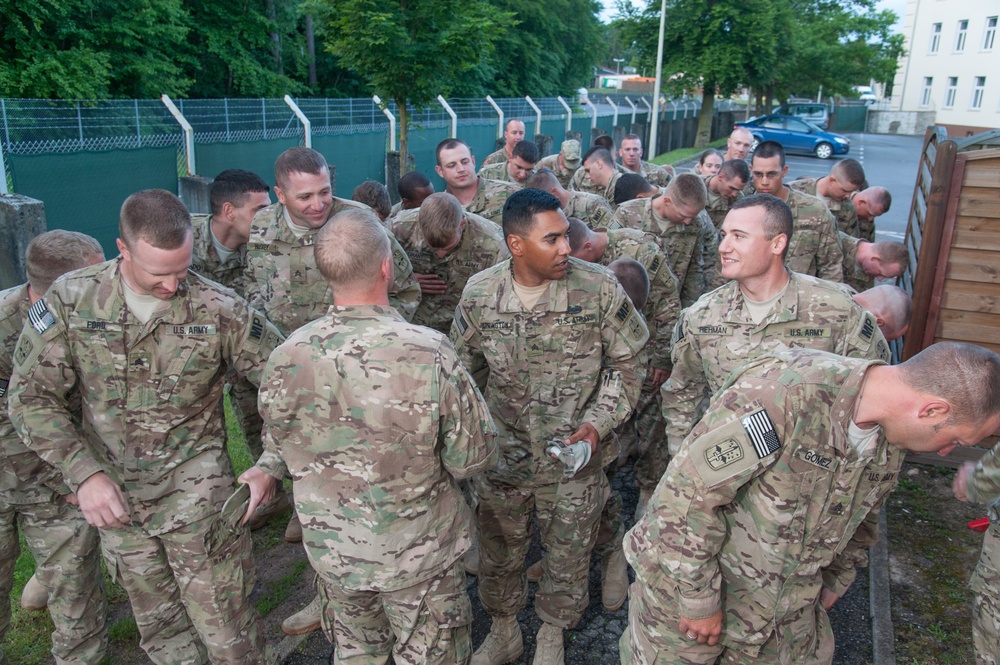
759 310
143 307
298 231
529 295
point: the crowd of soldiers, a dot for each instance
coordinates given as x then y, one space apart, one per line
441 377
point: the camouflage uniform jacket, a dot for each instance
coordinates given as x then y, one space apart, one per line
564 176
854 276
711 262
17 463
716 335
581 182
814 248
767 502
653 173
499 172
498 157
205 260
375 418
853 225
489 199
983 488
682 243
285 283
663 305
591 209
718 205
569 360
842 211
152 393
482 246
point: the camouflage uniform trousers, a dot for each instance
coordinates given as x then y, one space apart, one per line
429 622
189 589
68 565
567 514
651 430
986 601
243 399
611 529
653 638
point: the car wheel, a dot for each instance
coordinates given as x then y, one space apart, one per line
824 151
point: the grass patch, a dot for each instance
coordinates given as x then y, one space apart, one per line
124 631
281 588
683 154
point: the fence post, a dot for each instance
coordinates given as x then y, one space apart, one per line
392 122
569 114
614 122
630 103
138 130
225 108
454 117
79 123
188 132
593 117
538 114
499 115
306 124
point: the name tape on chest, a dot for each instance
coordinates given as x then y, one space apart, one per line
760 431
40 317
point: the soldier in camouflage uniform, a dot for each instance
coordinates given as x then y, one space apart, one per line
32 493
764 307
738 144
446 246
513 133
979 482
564 163
725 188
150 344
517 169
592 209
375 433
413 187
599 175
763 517
630 151
457 166
552 341
846 177
862 209
891 306
813 248
864 261
669 220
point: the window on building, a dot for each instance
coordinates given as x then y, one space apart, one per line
935 37
990 34
925 93
963 28
951 92
978 90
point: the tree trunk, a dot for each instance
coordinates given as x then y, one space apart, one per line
404 141
311 50
704 135
272 15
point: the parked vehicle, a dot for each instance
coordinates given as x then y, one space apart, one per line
796 135
815 112
865 94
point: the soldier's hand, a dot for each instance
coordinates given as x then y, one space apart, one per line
588 432
431 284
659 376
102 502
960 486
827 598
262 488
703 631
71 499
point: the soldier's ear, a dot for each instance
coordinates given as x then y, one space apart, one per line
515 244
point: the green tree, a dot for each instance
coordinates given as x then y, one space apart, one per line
409 51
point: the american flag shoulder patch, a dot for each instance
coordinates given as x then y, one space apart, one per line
760 431
40 317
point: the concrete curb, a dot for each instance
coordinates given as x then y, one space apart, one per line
289 644
883 638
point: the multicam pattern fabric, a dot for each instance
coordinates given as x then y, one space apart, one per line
285 283
766 487
984 488
854 276
564 176
814 248
205 260
718 206
716 336
489 199
498 157
581 182
682 243
653 173
498 171
375 418
591 209
842 211
482 246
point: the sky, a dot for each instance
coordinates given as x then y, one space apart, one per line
898 6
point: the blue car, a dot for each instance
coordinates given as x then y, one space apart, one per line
796 135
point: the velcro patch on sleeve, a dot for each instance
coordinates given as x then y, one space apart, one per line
760 431
868 328
40 317
4 383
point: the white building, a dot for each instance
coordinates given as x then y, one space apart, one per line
951 72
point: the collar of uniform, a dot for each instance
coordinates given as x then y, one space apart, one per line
356 311
479 200
785 309
554 299
266 227
843 411
180 310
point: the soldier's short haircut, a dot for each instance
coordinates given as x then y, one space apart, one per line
526 150
298 160
234 186
578 233
605 141
440 219
735 168
543 179
374 195
631 137
600 154
890 303
768 149
631 186
55 253
891 251
506 125
410 183
449 144
156 216
520 209
966 375
350 248
688 189
879 196
634 279
777 215
850 170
